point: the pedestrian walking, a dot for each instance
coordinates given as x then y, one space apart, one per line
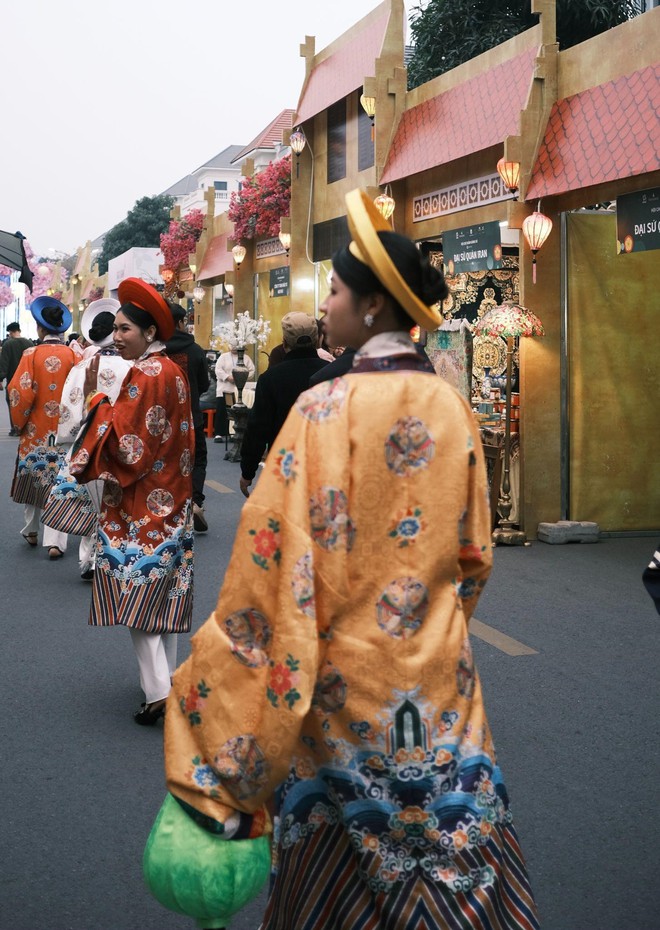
337 666
192 359
35 392
10 355
142 447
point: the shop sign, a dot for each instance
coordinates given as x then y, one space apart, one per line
279 282
638 221
472 248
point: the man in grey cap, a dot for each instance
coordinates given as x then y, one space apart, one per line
12 349
277 390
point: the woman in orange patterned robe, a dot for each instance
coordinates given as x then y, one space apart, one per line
34 395
142 447
336 673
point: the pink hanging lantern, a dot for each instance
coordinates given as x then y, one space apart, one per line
536 229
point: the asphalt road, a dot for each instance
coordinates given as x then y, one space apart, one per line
567 651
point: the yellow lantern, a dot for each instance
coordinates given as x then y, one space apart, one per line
509 171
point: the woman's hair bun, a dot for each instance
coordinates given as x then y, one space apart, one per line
433 285
53 316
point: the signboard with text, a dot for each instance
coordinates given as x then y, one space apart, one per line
279 282
638 221
472 248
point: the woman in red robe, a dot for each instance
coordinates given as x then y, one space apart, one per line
142 447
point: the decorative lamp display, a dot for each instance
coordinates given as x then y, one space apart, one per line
239 252
198 293
230 289
385 203
369 107
509 171
297 142
167 275
509 321
536 228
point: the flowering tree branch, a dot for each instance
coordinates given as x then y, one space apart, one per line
263 200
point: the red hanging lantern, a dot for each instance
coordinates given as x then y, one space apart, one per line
536 229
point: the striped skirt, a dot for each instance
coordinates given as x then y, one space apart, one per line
319 886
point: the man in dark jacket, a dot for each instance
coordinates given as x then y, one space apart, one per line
277 390
183 349
12 349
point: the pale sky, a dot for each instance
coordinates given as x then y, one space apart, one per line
107 102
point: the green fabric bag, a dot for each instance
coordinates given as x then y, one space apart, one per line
194 872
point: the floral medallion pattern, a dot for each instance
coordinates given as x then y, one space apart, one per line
156 420
241 765
330 690
409 447
52 364
250 635
323 401
160 502
149 366
131 449
402 607
465 672
185 463
302 585
330 524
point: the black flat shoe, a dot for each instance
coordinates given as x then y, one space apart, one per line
150 713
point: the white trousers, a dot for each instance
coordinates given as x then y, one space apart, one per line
51 537
156 656
86 552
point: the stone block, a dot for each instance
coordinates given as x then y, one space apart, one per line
568 531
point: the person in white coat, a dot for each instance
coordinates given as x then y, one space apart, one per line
73 507
225 384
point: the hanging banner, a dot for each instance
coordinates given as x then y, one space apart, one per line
472 248
279 282
638 221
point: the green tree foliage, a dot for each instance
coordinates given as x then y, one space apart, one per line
142 229
446 33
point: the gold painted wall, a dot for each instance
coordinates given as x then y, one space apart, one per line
613 339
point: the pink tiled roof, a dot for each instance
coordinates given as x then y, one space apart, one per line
270 136
467 118
344 70
602 134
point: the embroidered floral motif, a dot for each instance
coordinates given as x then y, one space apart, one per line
266 545
282 682
52 408
330 525
407 526
25 381
323 401
133 391
402 607
250 635
194 702
203 775
112 491
302 585
409 447
285 466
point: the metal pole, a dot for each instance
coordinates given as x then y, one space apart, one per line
564 376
